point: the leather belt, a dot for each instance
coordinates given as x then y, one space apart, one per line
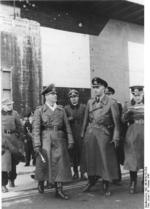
53 128
9 131
94 125
140 121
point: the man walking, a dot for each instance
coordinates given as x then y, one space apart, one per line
50 127
12 144
101 136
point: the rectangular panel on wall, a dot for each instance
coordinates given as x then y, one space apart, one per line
6 80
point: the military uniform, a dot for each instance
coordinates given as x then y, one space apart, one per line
75 114
28 143
50 129
12 145
133 115
100 126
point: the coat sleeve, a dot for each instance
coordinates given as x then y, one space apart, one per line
116 120
19 127
36 128
68 129
85 120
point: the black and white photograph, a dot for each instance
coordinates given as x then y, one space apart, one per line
73 105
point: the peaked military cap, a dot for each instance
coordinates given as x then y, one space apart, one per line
109 90
135 89
49 89
96 81
73 92
7 101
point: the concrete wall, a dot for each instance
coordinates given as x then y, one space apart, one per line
65 58
117 55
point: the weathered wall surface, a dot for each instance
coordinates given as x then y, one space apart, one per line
21 54
117 55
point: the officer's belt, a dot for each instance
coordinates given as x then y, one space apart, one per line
9 131
96 125
52 128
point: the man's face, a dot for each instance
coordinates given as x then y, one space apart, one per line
52 97
138 97
98 90
74 100
7 107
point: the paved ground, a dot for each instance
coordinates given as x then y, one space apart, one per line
26 196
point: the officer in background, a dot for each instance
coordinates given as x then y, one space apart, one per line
101 136
109 91
133 116
29 152
75 113
12 143
50 126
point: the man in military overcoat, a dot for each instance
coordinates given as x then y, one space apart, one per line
75 113
50 128
12 143
101 136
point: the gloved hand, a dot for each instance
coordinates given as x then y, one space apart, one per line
116 142
37 150
3 151
70 145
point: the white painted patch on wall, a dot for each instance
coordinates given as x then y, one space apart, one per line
65 58
136 63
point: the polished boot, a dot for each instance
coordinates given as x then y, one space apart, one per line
41 187
133 182
4 189
11 183
106 188
59 192
83 177
76 175
91 182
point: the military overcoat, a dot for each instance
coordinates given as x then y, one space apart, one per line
51 130
101 125
75 116
133 115
12 142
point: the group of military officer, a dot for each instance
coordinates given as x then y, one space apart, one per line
88 137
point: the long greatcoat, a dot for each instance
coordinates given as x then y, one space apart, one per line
134 139
11 139
75 116
50 132
101 125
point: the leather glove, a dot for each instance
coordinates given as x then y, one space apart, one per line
3 151
70 145
116 142
37 150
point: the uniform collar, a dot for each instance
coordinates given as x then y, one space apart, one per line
103 99
48 106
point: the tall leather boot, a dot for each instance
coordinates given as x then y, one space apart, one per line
91 182
106 188
59 191
76 175
11 183
41 187
133 182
